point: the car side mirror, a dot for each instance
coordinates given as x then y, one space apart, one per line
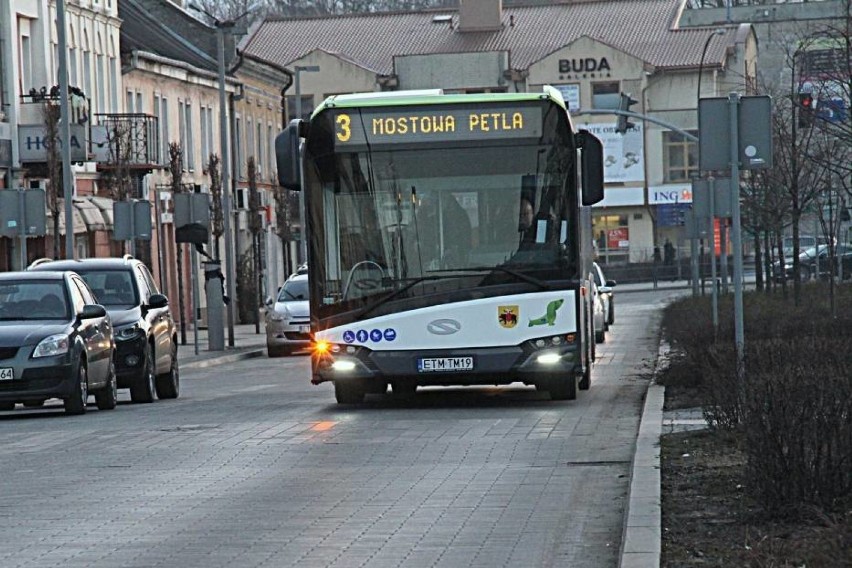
157 301
610 283
93 311
269 301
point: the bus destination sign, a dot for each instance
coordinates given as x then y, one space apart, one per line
391 126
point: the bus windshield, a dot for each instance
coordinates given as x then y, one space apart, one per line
412 221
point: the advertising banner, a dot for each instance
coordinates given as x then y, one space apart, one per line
624 154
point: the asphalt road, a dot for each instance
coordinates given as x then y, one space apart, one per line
253 466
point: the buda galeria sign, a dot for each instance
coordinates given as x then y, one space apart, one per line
584 65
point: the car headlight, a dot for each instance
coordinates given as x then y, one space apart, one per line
52 345
129 332
276 316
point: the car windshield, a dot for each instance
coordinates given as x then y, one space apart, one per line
112 288
293 290
33 300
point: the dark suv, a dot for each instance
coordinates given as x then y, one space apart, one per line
146 359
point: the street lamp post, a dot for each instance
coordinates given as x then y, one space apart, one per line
302 232
226 194
65 130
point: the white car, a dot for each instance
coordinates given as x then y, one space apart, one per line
288 322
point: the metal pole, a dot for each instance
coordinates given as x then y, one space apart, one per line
133 228
194 278
303 246
65 129
226 194
736 233
22 221
693 255
161 261
723 242
711 181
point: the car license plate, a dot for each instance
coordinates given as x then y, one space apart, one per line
444 364
304 329
7 373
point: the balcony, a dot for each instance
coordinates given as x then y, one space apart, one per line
126 140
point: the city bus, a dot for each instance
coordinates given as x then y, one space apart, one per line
448 240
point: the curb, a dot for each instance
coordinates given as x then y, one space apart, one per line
222 359
641 543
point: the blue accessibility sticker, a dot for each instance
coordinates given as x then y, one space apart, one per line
348 336
362 335
390 334
376 335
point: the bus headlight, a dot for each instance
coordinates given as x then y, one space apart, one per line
343 365
549 358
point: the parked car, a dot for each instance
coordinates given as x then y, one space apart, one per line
605 289
816 259
598 312
145 331
56 341
288 324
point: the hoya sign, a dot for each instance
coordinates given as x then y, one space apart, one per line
32 148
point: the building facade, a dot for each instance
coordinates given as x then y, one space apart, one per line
590 51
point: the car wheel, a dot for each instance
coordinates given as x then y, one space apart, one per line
7 406
563 388
144 388
107 397
76 403
168 384
31 404
348 392
611 318
600 337
377 387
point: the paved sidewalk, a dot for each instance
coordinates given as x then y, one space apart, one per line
247 344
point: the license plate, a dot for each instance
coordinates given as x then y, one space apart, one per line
7 373
444 364
304 329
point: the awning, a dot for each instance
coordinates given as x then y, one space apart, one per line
104 204
90 214
79 222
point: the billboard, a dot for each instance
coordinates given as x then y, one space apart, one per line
624 154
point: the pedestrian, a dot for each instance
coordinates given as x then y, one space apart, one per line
669 252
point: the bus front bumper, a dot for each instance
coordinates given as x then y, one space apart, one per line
526 363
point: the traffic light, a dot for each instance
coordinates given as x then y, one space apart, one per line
624 104
807 110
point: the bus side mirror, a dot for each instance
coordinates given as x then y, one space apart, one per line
591 152
288 155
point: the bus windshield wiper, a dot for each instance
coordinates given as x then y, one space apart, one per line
393 294
540 284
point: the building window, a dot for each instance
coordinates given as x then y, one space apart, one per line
129 102
101 80
164 129
238 145
680 157
25 48
259 154
604 88
189 156
113 88
270 137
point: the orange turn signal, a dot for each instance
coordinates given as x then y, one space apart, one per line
321 347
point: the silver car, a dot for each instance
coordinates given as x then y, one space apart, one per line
288 323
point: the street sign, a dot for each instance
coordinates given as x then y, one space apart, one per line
721 194
697 227
754 133
131 220
192 217
23 213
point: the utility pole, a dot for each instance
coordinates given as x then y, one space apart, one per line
65 130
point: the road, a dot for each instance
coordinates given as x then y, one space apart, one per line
253 466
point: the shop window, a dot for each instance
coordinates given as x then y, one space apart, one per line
680 157
602 93
612 236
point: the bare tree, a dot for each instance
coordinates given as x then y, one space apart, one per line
176 172
217 220
50 114
283 209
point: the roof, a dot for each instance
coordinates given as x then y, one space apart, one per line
163 28
646 29
31 276
88 264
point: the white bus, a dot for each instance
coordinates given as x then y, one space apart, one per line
449 240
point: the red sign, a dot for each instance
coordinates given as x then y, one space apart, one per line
617 238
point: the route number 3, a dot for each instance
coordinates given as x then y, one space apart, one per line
344 130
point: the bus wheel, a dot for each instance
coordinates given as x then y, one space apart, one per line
348 392
563 388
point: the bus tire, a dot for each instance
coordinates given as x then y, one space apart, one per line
563 388
348 392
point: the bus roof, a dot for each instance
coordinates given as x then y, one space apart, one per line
431 97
